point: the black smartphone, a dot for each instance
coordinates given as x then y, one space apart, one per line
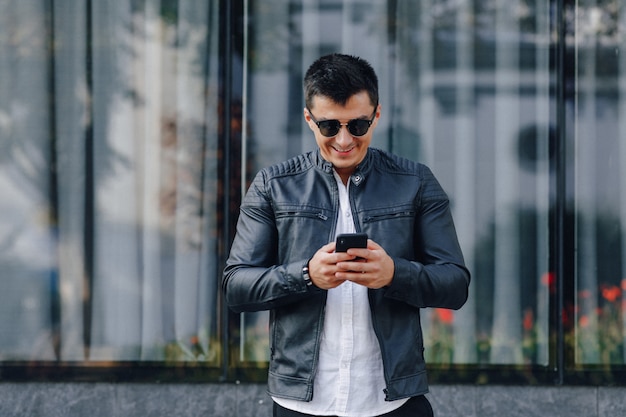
351 240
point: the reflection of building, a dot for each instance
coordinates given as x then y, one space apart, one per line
121 165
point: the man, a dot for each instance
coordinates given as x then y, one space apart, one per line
345 334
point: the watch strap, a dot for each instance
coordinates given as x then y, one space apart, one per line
306 276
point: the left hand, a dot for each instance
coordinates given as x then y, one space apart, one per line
374 270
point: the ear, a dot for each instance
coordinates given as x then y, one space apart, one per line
307 119
378 113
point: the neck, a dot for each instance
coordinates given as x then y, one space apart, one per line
345 176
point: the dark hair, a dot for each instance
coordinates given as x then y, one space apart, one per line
339 77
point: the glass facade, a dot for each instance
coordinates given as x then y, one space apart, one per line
109 138
129 131
598 184
467 88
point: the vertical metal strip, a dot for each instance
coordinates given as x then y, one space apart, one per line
244 147
622 158
226 56
561 253
89 233
53 184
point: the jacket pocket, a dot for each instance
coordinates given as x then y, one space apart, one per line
302 230
395 215
285 214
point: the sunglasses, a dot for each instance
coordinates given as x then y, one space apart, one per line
356 127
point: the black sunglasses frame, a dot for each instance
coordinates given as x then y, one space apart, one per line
334 125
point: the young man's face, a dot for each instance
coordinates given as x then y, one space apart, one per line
344 150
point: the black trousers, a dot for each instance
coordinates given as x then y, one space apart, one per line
415 407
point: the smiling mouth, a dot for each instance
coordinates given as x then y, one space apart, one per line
343 150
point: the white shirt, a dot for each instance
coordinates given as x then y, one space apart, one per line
350 379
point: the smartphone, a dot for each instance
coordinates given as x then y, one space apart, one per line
351 240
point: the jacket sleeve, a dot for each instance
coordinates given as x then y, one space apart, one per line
252 279
438 277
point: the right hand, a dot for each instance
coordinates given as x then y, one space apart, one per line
323 266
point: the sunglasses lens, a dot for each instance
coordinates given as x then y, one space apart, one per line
358 127
329 128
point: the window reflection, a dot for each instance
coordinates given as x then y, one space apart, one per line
112 191
598 332
465 88
108 171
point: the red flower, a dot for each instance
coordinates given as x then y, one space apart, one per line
611 293
528 320
445 315
549 280
583 321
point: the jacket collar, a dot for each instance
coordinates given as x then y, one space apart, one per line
359 174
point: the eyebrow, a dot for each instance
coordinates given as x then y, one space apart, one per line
355 118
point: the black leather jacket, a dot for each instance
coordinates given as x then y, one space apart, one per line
290 211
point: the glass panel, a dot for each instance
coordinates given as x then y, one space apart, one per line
284 39
27 238
600 193
465 88
108 172
476 79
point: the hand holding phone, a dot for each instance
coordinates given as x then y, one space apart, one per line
375 272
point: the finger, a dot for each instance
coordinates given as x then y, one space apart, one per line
331 281
340 257
357 267
371 245
329 247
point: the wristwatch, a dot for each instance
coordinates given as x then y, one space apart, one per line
306 276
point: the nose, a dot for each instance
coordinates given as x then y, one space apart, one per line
344 138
